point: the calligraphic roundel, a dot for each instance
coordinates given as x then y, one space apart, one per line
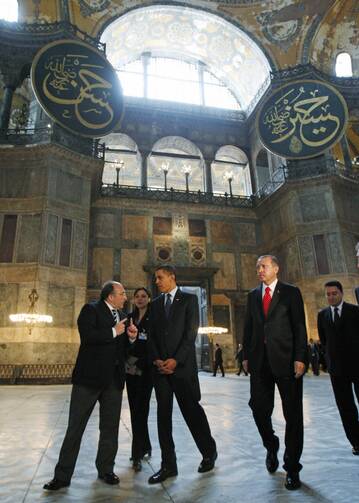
77 87
302 119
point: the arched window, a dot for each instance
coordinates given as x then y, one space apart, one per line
175 162
175 80
122 161
230 172
171 53
343 65
9 10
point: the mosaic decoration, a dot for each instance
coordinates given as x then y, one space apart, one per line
302 119
77 87
281 33
89 7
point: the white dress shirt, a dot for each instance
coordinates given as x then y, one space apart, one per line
271 286
339 307
172 293
111 308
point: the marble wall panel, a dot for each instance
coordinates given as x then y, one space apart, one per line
29 239
293 272
349 241
80 245
68 187
336 255
102 265
51 239
134 227
248 271
314 207
197 251
104 225
132 273
22 182
222 233
162 249
247 234
9 296
307 255
60 305
226 277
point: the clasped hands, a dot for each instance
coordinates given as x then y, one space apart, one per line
166 366
130 329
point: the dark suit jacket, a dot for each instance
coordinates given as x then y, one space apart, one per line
357 294
282 333
218 358
101 356
175 337
341 341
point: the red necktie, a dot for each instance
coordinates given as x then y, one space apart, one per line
266 301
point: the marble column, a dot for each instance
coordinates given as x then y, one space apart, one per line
6 108
208 176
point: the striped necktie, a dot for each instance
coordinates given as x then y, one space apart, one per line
114 315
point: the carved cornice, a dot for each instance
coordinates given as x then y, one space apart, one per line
40 152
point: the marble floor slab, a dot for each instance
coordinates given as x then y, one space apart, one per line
33 420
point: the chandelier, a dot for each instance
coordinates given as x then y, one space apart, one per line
31 318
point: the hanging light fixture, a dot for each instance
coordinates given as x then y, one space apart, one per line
31 317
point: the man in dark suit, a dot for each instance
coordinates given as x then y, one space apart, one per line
218 360
99 375
173 331
338 331
313 354
275 352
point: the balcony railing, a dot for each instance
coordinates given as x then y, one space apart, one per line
175 195
52 134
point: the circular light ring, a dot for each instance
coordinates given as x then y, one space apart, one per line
212 330
30 318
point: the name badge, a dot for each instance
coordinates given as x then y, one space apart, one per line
142 336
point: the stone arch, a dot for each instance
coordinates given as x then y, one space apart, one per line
176 155
122 160
230 171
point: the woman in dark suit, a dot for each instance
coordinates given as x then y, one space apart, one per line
138 379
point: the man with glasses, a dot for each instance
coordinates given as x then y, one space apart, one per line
99 375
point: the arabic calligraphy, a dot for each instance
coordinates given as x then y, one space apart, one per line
77 87
302 119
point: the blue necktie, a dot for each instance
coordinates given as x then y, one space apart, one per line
168 304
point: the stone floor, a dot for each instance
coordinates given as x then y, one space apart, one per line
33 420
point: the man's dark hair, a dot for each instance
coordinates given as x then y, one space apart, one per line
170 269
334 283
272 257
107 289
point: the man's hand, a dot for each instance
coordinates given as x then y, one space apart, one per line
245 366
120 327
132 330
299 369
168 366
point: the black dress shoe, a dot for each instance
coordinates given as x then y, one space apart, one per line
292 481
272 458
137 465
110 478
55 485
163 474
147 454
207 464
355 450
